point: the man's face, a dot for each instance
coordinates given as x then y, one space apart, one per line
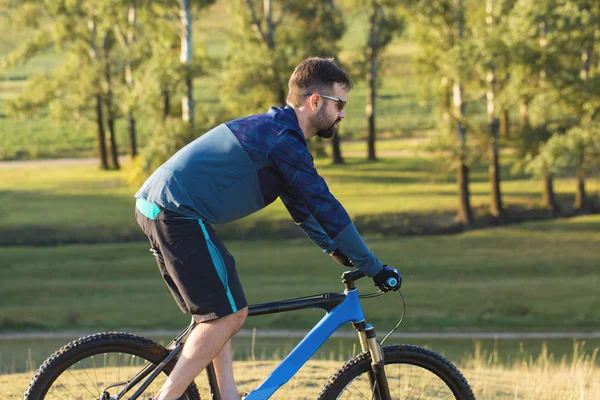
330 113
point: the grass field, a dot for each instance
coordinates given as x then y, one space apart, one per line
539 378
50 204
536 276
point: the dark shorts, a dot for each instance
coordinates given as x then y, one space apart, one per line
196 266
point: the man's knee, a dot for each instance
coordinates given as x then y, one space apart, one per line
239 317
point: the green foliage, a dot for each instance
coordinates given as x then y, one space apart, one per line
565 153
168 137
266 47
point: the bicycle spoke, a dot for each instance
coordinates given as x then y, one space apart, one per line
105 367
90 379
412 387
426 386
68 391
55 395
96 375
362 395
78 381
436 393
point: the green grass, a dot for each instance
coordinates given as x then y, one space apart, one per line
536 276
66 204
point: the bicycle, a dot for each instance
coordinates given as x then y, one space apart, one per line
79 363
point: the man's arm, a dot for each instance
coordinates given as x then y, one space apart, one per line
307 223
291 157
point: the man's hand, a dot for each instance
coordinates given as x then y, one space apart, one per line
388 279
341 258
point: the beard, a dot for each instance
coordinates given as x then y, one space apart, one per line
325 129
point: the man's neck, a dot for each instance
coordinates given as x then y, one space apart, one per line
304 122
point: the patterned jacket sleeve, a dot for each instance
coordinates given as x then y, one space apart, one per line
307 223
290 156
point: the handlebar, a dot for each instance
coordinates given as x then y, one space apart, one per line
349 277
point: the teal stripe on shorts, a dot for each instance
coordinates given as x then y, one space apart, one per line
219 264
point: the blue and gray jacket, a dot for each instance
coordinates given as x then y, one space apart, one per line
241 166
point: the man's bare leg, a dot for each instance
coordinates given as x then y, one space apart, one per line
224 371
201 347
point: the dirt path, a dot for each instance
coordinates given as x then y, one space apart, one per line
296 333
55 162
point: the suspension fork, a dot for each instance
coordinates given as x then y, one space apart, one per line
377 377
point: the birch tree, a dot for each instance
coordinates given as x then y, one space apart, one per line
495 72
384 23
447 56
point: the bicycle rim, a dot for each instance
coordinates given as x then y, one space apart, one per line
412 373
98 367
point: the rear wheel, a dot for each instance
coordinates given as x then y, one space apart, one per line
412 373
97 367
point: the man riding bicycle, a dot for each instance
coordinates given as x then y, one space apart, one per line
228 173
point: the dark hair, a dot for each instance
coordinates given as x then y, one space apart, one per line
315 75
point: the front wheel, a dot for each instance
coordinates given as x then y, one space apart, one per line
412 373
97 367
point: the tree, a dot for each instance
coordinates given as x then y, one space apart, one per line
494 71
271 38
384 23
77 27
127 42
447 55
578 84
536 46
577 151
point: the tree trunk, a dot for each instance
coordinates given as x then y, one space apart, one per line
505 123
336 149
465 215
581 204
524 117
187 102
132 135
101 135
580 195
446 102
108 101
370 111
131 16
166 101
496 208
548 199
372 81
318 147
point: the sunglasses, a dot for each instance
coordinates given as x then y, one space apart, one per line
340 103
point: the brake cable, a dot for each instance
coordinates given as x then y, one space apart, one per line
379 293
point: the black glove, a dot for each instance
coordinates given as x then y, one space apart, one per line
388 279
341 258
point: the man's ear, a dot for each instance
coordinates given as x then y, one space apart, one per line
313 102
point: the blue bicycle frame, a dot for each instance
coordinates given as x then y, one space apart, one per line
340 307
349 310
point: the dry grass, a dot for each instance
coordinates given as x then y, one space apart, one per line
540 378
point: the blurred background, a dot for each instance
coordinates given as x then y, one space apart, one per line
469 159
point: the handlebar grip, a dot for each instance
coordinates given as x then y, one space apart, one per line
391 282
